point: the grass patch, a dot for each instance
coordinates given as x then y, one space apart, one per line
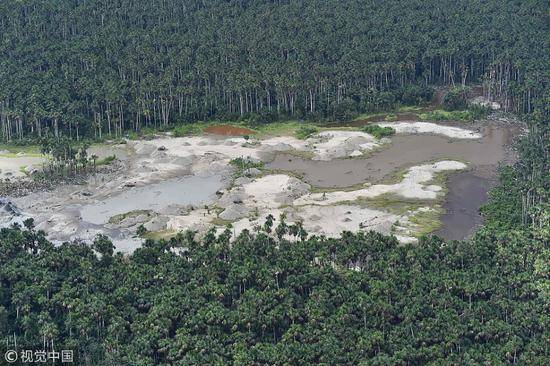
216 221
467 115
106 161
304 132
368 116
14 155
428 221
410 108
190 129
392 203
13 150
117 219
159 235
284 128
391 117
378 131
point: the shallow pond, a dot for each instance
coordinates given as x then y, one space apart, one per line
181 191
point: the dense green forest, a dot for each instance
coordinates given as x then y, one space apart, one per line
101 67
285 299
97 68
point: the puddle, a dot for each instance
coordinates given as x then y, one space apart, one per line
405 151
228 130
182 191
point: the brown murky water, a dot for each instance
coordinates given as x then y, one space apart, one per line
467 190
405 151
467 193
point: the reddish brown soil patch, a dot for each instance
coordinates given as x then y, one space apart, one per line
228 130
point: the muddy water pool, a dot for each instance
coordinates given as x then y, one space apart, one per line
181 191
467 190
405 151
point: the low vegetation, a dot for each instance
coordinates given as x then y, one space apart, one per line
305 131
244 165
187 130
117 219
378 131
468 115
107 160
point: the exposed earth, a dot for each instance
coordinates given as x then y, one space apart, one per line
336 180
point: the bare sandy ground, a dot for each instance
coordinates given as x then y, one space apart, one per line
18 166
244 202
414 185
432 128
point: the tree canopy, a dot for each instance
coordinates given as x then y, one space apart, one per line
285 299
97 67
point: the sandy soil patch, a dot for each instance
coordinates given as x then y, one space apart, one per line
412 186
18 166
327 145
274 190
250 199
433 128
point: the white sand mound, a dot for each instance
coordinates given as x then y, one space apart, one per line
198 220
427 127
283 143
410 187
327 145
274 190
202 145
332 220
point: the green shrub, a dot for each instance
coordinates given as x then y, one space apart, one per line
141 230
244 164
476 112
378 131
107 160
305 131
391 117
186 130
456 98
